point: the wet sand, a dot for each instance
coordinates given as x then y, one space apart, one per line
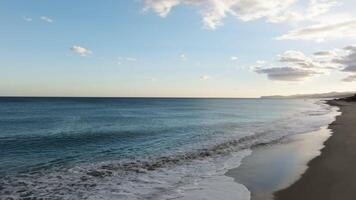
332 175
274 167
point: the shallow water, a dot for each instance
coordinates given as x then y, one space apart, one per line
144 148
274 167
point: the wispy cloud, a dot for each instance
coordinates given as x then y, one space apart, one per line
46 19
80 50
320 32
214 11
234 58
28 19
183 57
131 59
153 79
205 77
126 59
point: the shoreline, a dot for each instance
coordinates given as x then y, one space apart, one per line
272 168
332 175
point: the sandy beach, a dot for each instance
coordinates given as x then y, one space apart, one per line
274 167
332 175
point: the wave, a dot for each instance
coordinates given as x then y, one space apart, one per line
65 183
162 177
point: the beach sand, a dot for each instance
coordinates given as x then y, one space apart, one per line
332 175
273 167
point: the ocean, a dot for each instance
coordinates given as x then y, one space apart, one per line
140 148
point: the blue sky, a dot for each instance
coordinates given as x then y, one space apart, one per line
185 48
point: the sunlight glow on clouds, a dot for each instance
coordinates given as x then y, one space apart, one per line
214 11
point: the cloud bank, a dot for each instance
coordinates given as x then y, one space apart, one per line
348 61
299 66
287 73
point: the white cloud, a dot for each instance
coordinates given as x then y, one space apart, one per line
261 62
257 65
127 59
298 59
80 50
319 7
161 7
131 59
153 79
205 77
321 32
46 19
28 19
183 57
214 11
292 56
234 58
297 67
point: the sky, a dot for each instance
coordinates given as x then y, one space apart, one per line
176 48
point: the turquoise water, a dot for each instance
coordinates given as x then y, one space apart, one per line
48 144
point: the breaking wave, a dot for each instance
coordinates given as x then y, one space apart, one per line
176 176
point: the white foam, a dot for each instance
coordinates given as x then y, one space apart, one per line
217 186
197 179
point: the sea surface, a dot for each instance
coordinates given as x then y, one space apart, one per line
140 148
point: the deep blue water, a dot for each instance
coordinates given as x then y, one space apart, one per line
40 134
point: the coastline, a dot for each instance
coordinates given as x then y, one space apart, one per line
271 169
274 167
331 175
